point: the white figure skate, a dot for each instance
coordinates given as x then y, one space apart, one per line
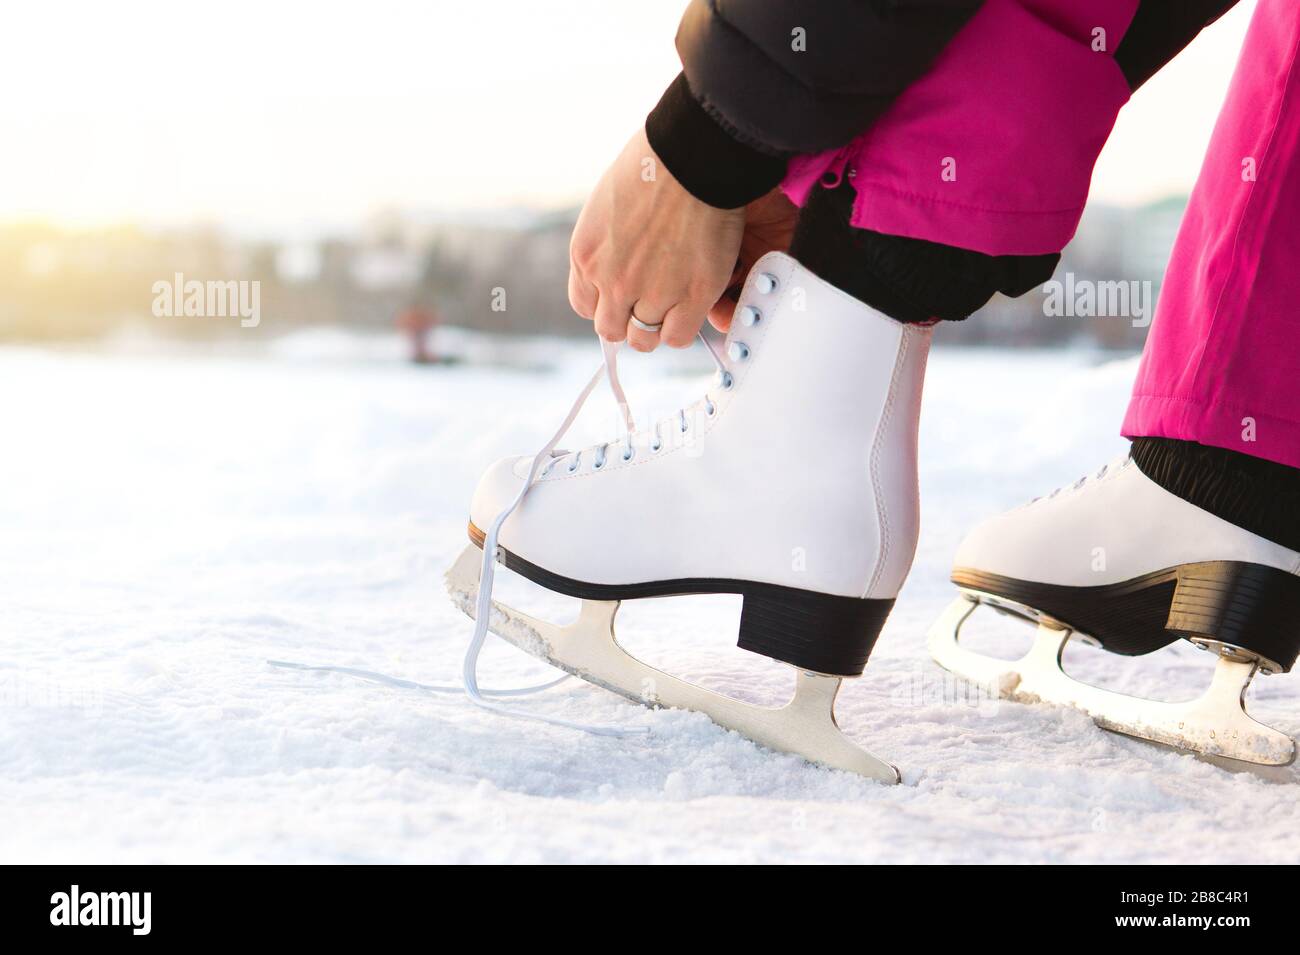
1121 563
805 445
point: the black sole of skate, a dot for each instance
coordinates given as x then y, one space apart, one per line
1233 607
821 633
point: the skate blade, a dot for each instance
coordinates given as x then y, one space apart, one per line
1214 724
587 648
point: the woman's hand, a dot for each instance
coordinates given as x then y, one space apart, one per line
644 246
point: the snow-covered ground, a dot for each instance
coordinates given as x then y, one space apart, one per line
172 520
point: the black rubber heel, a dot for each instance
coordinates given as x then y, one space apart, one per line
818 632
1250 606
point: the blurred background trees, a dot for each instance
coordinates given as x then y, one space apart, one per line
505 275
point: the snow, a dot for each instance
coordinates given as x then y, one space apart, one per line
173 519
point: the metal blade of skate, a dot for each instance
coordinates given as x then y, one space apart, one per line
1213 724
587 648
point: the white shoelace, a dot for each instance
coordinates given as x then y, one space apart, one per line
397 682
483 606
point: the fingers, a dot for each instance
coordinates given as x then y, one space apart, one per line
582 294
723 310
651 314
678 325
612 317
681 325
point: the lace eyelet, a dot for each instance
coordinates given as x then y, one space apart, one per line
597 465
750 316
710 409
728 382
628 455
766 283
737 351
656 447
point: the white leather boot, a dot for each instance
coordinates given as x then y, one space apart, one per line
792 482
1128 566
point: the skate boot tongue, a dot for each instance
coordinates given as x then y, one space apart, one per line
653 437
544 460
1108 468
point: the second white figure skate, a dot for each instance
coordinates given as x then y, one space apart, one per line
1121 563
791 483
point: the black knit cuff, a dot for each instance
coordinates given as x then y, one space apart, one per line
910 280
1260 496
707 160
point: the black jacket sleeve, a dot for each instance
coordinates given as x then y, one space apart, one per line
1159 32
765 79
705 155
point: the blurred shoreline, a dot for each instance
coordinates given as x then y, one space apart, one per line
503 277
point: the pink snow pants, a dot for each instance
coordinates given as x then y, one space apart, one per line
978 155
1222 360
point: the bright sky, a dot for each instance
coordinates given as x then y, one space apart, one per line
287 116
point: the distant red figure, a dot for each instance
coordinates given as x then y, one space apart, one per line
417 322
